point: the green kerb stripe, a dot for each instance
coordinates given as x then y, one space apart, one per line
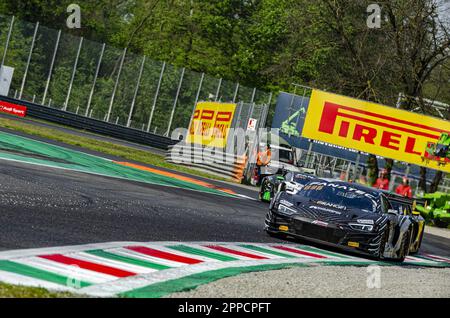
319 251
29 271
195 251
129 260
264 250
195 280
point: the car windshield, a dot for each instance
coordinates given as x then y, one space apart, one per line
302 179
400 207
341 197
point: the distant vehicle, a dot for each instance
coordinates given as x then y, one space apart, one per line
345 215
283 158
284 181
435 207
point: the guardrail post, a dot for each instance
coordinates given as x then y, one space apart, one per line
11 25
308 154
75 65
270 99
133 102
408 168
253 95
108 115
218 90
51 67
236 91
25 74
198 94
176 101
155 99
264 115
347 173
292 102
240 105
250 113
301 106
355 170
91 94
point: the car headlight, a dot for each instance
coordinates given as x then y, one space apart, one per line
286 210
361 227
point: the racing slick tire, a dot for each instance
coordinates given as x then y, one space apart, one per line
404 248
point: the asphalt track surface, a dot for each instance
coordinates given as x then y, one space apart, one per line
43 207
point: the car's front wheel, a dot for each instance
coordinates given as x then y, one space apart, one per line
404 247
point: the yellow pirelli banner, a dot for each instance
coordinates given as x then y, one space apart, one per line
211 123
377 129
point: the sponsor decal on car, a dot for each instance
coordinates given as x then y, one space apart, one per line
354 193
324 209
333 205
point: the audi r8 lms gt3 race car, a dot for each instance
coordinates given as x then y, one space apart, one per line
407 206
349 216
271 185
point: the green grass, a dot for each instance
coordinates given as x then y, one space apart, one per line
109 148
12 291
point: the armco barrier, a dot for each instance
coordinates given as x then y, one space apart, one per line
223 164
93 125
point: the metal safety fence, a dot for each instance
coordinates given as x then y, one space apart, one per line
99 81
337 168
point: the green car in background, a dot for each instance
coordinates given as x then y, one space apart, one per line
285 180
436 208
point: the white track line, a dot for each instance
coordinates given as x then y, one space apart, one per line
148 258
209 250
253 252
184 254
112 263
61 249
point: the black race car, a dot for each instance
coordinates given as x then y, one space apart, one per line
346 215
286 180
